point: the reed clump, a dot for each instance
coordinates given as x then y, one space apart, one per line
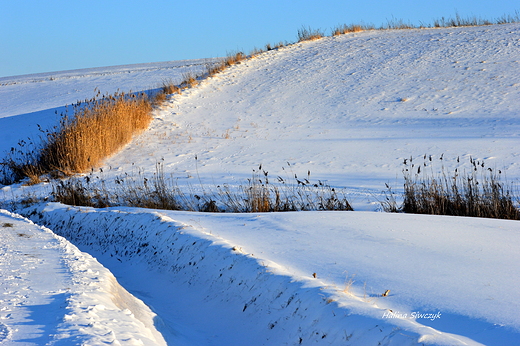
99 127
345 29
476 191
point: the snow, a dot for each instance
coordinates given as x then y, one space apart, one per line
54 294
235 263
349 109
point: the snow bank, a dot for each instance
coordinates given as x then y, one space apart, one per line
54 294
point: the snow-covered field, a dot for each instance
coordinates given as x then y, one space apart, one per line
349 109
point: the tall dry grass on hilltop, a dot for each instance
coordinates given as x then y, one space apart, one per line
308 34
459 21
345 29
444 22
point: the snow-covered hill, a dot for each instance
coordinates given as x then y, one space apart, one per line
349 109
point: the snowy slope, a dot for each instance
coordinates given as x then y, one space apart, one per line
350 109
334 107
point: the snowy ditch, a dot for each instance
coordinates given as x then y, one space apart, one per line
205 291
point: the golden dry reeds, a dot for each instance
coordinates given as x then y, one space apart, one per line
345 29
98 128
160 192
168 87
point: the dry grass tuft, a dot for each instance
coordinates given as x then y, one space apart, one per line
168 88
480 192
234 58
349 281
459 21
397 24
345 29
269 47
189 80
308 34
98 128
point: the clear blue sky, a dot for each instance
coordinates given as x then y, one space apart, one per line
53 35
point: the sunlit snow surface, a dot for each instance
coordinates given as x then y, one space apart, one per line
349 109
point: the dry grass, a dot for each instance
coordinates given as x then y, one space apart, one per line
98 128
456 21
459 21
261 195
345 29
160 192
280 44
168 87
481 192
349 281
189 80
230 60
234 58
308 34
397 24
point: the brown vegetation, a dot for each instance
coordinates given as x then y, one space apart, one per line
481 192
160 192
98 128
308 34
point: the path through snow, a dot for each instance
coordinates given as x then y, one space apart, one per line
54 294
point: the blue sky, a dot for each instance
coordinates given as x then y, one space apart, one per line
53 35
